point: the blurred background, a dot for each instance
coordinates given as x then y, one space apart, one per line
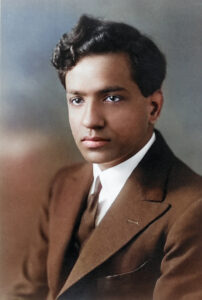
35 139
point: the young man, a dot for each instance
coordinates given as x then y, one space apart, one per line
139 235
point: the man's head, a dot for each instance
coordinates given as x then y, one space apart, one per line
95 36
113 88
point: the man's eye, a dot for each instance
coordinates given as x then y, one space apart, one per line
76 101
112 98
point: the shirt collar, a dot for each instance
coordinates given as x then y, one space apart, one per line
113 179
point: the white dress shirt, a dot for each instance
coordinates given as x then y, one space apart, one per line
113 179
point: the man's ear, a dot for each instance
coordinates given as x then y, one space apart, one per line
155 106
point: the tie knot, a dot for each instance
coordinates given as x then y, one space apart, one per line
98 186
87 224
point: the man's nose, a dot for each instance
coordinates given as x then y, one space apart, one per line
93 117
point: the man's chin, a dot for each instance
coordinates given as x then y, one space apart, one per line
95 158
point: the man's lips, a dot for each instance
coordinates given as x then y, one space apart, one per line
94 142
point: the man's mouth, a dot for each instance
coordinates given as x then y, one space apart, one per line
94 142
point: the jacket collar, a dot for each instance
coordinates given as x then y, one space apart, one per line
139 203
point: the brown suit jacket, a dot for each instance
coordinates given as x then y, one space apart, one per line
148 246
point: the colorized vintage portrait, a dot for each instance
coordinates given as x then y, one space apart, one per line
100 150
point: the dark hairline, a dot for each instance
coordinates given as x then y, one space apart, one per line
93 36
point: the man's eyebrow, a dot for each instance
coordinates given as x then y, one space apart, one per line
72 92
106 90
110 89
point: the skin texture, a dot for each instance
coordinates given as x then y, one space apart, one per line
109 117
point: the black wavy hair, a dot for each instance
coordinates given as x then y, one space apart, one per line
95 36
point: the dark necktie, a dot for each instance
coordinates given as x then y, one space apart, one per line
87 224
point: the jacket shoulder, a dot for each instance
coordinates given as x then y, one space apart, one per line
184 179
69 170
68 175
184 191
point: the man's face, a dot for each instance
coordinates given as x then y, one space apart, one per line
109 117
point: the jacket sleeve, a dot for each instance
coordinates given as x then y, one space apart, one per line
181 268
31 282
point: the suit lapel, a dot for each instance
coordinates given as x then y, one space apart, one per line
70 190
138 205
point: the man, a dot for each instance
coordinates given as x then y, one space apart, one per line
139 235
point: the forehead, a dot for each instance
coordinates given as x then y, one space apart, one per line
100 70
